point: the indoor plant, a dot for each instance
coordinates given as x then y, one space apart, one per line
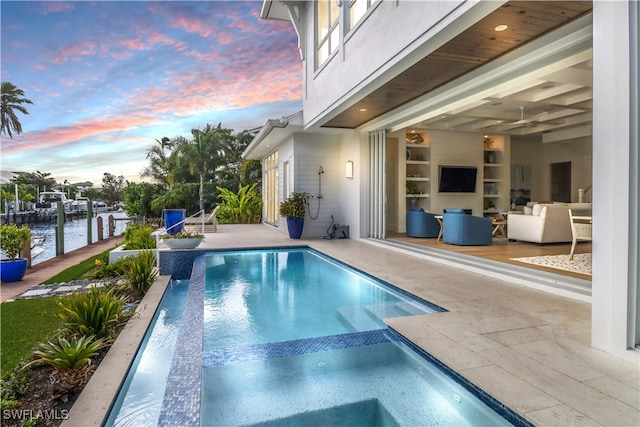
294 208
182 240
13 239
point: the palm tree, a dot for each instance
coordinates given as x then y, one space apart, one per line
207 153
158 168
12 100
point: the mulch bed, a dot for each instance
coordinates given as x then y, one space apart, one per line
44 398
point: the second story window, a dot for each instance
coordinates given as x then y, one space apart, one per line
327 24
357 9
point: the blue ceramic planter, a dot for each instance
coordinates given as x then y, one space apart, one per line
171 218
294 225
13 271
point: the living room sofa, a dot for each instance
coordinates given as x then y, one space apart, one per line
544 223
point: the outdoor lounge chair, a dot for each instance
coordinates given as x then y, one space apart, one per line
195 224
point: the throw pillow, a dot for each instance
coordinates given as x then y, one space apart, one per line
537 209
528 210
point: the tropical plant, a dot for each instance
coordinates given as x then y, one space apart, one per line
13 239
107 269
138 198
11 103
180 196
159 166
238 172
245 207
137 236
294 206
142 272
70 358
96 312
206 153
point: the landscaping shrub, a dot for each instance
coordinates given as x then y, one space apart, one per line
142 272
105 269
14 386
70 358
137 236
95 312
242 208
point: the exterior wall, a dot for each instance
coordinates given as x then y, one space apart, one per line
367 51
350 203
613 306
305 154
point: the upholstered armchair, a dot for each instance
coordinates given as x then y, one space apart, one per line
466 230
421 223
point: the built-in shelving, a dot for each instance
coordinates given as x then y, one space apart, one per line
418 170
492 178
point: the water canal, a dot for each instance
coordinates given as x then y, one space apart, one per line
75 234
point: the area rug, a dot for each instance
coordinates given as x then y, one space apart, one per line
581 263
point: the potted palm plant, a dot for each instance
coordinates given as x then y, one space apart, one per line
294 208
13 239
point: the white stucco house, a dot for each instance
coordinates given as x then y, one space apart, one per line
548 90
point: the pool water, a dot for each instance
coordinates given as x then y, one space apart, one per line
288 337
274 296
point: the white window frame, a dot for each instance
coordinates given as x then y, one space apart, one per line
330 40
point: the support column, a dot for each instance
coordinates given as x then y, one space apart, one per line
612 313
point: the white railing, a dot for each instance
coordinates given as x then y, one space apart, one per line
161 231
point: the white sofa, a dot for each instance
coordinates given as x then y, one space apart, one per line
545 223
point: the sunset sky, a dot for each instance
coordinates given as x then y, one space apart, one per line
108 78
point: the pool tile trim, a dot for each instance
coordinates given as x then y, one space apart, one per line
181 402
228 356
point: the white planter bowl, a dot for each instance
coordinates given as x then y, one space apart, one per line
189 243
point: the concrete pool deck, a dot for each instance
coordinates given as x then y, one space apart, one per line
527 348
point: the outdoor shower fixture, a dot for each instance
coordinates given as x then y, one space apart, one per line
319 197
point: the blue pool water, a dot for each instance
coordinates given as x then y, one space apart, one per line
287 338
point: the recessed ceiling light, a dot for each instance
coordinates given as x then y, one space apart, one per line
363 110
501 27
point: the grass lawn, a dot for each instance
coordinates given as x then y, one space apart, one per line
27 322
24 323
76 271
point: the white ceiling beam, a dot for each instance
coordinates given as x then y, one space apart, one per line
567 134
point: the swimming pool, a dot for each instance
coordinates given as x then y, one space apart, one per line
287 337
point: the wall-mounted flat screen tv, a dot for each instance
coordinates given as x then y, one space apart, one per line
457 179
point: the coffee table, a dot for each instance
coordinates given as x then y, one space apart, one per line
499 226
439 219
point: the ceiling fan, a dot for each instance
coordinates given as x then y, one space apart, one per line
531 121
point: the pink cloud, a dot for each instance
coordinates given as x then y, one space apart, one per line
74 51
81 130
55 7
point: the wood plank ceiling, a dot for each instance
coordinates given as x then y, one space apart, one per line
476 46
